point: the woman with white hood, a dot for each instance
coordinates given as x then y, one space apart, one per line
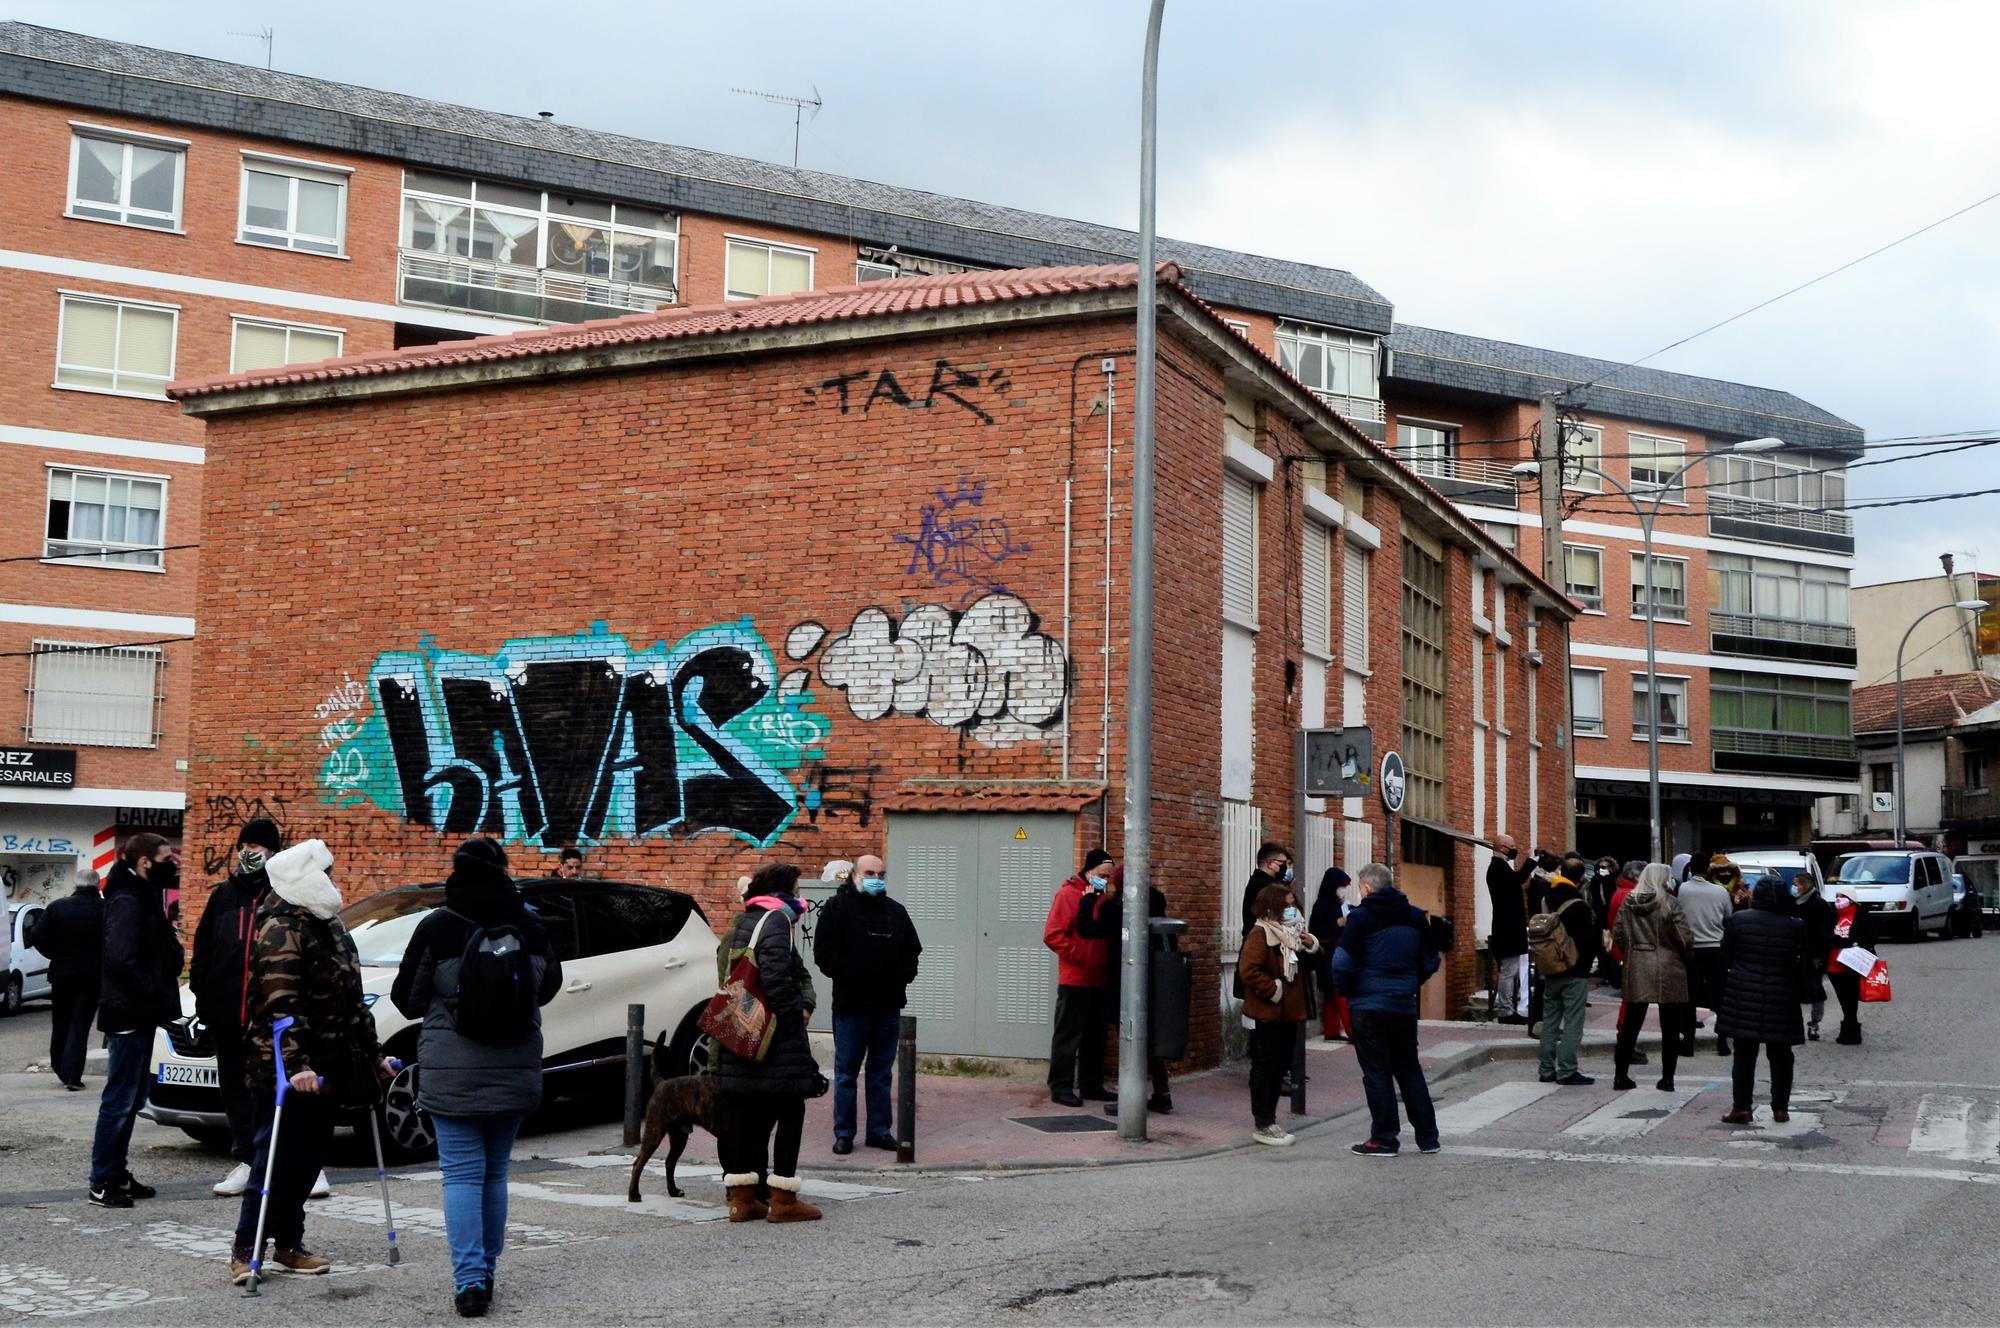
303 967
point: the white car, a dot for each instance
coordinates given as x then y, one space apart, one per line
1785 864
619 945
1906 891
26 969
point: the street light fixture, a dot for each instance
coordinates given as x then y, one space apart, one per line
1972 606
1647 515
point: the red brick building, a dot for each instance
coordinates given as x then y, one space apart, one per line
808 576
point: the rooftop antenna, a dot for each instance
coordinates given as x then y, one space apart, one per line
268 36
798 105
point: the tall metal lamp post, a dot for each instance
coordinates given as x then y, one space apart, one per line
1972 606
1647 515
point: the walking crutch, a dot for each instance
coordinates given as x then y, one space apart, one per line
382 1178
270 1151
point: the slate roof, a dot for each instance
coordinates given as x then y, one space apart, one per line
138 80
1933 701
1427 357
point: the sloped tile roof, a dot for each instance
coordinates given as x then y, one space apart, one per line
1930 702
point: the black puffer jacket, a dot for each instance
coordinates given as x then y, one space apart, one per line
140 986
868 946
219 974
788 1068
1817 915
71 937
1764 947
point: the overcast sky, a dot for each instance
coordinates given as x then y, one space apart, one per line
1596 178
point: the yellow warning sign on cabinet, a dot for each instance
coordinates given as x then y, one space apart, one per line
1021 833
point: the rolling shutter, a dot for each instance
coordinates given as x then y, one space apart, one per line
1354 607
1316 622
1239 550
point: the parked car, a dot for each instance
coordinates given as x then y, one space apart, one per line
1907 891
620 944
27 971
1782 864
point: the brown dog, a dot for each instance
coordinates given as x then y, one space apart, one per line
678 1106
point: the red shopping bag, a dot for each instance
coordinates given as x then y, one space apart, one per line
1875 987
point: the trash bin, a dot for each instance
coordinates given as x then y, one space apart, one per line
1169 990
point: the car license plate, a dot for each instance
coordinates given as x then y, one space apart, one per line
200 1076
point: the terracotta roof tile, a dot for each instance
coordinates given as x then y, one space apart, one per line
991 799
1930 702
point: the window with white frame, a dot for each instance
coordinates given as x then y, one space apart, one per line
1316 619
1238 326
1670 597
1583 575
1327 361
1673 712
867 271
133 181
1239 550
1354 569
1657 463
1427 448
115 346
94 695
759 267
570 239
1583 446
1586 702
292 205
105 517
1508 537
1775 588
258 343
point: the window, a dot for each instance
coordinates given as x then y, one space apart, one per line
1803 483
1779 704
1670 602
1336 363
293 206
94 695
616 920
100 517
1423 681
1238 326
867 271
1508 537
261 345
756 267
1427 448
1586 702
1316 620
875 263
1881 779
1583 446
1239 550
135 182
1772 588
1975 770
1583 576
115 346
557 914
1673 708
1354 607
1657 463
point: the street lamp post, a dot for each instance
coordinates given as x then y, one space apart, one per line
1972 606
1647 516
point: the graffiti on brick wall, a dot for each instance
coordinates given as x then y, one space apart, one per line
957 543
970 390
986 670
577 739
228 813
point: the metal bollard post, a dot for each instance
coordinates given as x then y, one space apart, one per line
906 1091
635 1070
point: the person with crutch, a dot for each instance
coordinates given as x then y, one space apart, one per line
307 1014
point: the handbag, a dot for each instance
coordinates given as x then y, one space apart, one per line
1875 986
737 1016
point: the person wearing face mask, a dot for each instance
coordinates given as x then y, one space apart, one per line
1386 954
1083 1001
1102 915
139 991
1276 987
1506 885
867 947
1852 926
1274 867
1817 915
1597 891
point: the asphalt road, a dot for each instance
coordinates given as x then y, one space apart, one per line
1875 1206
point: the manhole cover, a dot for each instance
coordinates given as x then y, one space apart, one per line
1065 1124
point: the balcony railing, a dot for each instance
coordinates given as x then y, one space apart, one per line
511 291
1367 409
1779 523
1794 753
1758 634
1477 479
1971 804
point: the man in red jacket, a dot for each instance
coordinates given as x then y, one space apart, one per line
1083 1006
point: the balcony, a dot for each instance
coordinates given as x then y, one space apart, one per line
1364 413
1779 523
1489 483
1971 808
1765 637
507 290
1758 752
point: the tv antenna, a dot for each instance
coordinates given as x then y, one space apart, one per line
798 105
266 35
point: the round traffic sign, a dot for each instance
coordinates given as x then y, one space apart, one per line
1392 781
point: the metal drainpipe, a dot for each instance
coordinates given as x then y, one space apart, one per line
1110 368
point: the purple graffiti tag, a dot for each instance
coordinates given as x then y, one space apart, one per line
958 547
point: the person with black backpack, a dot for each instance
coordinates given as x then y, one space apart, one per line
477 973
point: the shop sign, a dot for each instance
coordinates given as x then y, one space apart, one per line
38 767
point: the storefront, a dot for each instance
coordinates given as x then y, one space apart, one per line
50 825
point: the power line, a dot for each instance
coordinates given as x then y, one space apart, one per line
1894 443
92 648
95 553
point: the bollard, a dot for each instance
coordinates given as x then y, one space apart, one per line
906 1091
635 1071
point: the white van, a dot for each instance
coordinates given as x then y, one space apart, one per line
1786 864
1908 892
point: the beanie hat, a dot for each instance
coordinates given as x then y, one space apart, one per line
1097 857
480 853
263 832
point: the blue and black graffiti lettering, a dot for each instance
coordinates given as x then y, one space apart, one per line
956 546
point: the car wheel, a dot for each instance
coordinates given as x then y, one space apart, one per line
10 1003
689 1053
407 1133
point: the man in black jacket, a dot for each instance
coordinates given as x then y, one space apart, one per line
1274 867
1566 992
139 991
1506 885
71 937
866 943
220 978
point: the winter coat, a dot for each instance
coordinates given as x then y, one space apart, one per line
1851 926
1081 961
1764 948
71 937
788 1068
1329 916
1579 922
868 947
139 983
1385 954
1251 889
304 965
1506 886
1618 897
1707 906
1653 936
1267 996
463 1076
1817 915
219 974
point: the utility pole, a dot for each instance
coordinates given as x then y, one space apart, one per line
1549 451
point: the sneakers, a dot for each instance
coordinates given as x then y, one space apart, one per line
110 1197
1273 1134
1812 1032
1430 1148
1548 1078
1369 1148
471 1301
1577 1080
237 1181
320 1189
133 1189
303 1261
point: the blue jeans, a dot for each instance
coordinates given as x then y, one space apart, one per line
473 1152
124 1094
871 1037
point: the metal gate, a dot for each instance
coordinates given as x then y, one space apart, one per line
978 888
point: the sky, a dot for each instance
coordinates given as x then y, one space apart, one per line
1601 179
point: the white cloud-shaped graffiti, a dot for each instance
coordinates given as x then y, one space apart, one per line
986 670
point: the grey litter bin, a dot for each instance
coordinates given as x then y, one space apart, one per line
1170 987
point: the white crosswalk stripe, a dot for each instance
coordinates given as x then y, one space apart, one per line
1961 1128
1483 1109
1629 1115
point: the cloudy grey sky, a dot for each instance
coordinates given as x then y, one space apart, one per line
1598 178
